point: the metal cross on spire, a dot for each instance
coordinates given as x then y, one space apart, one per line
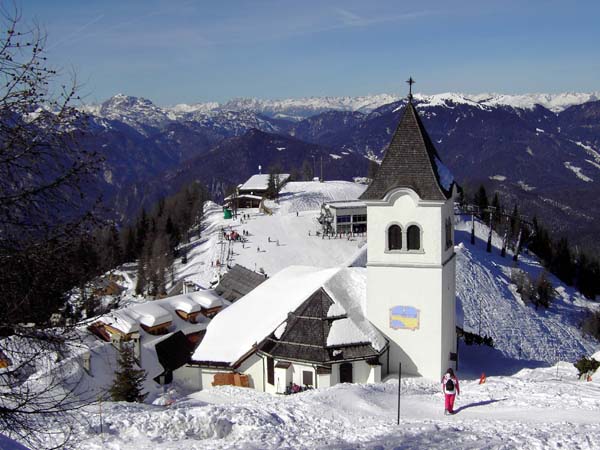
410 82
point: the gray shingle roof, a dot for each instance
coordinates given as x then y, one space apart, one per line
238 282
409 162
305 336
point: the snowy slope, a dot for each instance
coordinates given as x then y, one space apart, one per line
534 409
484 290
489 304
276 241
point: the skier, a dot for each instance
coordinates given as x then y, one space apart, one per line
450 388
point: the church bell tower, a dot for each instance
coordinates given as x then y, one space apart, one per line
411 262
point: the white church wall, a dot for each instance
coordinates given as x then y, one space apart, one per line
421 290
405 210
410 294
449 312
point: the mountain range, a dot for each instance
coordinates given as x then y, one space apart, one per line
542 150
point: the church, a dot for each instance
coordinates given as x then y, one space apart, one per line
393 306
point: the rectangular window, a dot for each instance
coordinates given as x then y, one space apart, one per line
307 378
342 219
270 370
359 228
342 228
359 218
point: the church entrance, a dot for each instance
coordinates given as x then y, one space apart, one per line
346 373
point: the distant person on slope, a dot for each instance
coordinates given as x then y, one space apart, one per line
450 388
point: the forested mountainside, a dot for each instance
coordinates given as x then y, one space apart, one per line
544 157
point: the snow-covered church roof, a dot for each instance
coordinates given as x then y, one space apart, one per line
236 330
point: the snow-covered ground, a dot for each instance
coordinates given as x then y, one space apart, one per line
533 409
532 398
273 241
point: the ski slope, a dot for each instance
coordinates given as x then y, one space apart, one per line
487 302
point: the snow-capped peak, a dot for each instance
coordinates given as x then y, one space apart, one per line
553 102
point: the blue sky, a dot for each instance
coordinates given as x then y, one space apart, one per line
174 51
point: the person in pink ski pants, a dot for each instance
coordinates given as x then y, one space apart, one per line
450 388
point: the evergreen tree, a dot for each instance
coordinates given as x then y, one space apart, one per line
112 247
562 264
515 221
544 291
497 215
588 277
128 383
481 201
272 182
129 245
141 232
307 170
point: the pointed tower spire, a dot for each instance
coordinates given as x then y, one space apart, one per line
411 161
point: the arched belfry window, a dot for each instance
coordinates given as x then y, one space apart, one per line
413 238
394 237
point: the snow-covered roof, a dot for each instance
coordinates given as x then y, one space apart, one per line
207 298
156 312
234 331
260 181
185 303
348 288
122 321
253 197
150 314
347 204
344 332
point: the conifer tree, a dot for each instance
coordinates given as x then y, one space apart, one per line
481 201
129 245
562 264
307 170
271 192
128 383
